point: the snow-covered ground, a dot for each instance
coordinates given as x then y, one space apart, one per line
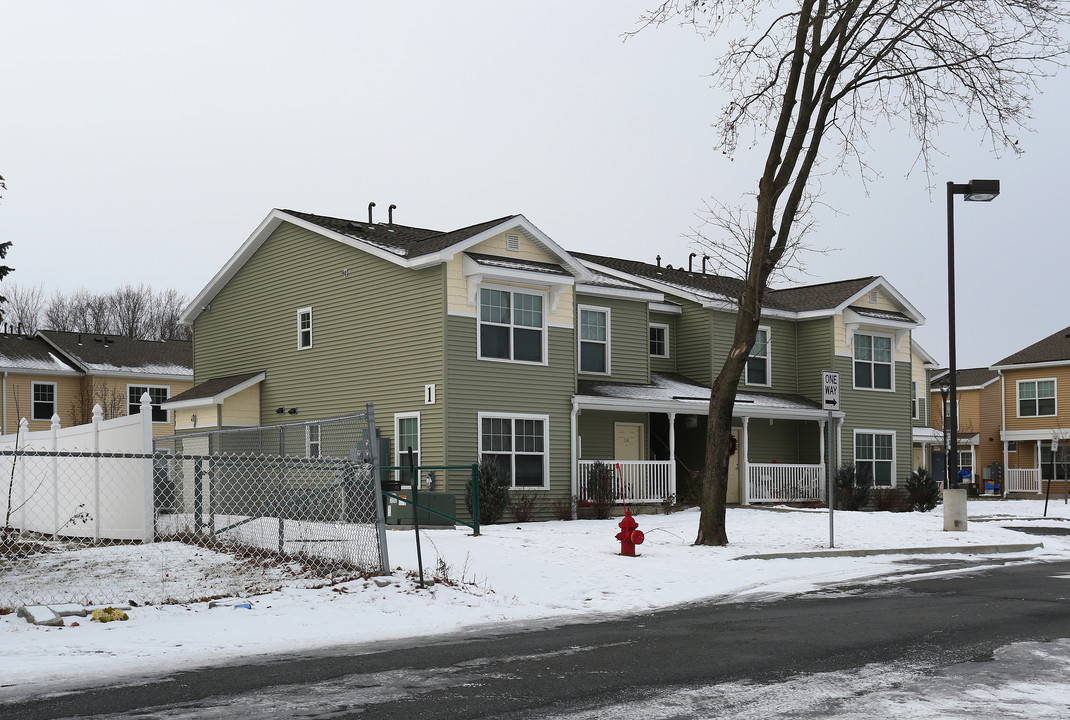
550 572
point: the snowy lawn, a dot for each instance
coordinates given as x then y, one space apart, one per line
534 574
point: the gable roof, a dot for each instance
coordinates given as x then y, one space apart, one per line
1052 350
117 355
31 354
966 378
214 391
402 245
719 289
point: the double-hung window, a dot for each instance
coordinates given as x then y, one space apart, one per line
313 445
915 400
757 372
511 325
304 328
659 341
873 361
1036 398
875 458
157 396
407 435
518 445
594 340
44 401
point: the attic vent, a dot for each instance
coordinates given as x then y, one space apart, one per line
873 296
512 242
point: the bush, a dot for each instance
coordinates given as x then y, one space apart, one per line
600 489
891 500
852 492
493 492
923 490
563 507
524 504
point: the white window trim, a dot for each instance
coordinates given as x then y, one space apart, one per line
148 387
854 451
309 441
915 400
55 400
580 340
545 322
1018 397
401 454
891 364
665 327
768 360
301 312
545 443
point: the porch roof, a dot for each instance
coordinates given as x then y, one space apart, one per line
671 392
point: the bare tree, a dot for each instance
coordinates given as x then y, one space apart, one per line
25 306
812 76
94 391
166 309
59 315
130 310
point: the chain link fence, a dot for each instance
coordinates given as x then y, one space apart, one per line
204 515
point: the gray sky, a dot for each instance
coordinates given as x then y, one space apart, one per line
144 142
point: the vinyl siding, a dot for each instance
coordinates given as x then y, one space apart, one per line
19 400
377 333
878 410
1062 398
783 349
473 386
814 353
664 365
784 441
629 341
693 346
597 430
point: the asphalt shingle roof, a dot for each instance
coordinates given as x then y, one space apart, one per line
112 353
29 353
967 377
215 386
1054 348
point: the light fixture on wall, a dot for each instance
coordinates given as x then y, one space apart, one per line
280 411
292 411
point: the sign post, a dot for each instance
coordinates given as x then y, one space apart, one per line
830 383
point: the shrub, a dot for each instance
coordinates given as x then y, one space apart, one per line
600 489
890 500
524 504
563 507
923 490
852 492
493 492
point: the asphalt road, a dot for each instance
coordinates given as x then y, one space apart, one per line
511 673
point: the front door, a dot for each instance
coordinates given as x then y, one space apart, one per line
733 467
628 441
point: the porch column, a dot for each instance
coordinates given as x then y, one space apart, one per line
672 453
744 492
839 442
1006 470
821 436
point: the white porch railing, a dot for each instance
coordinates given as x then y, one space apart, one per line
644 480
1023 480
779 482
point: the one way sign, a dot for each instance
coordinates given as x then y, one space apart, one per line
830 381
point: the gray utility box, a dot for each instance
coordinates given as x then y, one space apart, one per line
400 513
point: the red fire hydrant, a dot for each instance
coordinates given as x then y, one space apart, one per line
630 535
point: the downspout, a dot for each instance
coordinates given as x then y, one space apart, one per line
572 443
1003 429
3 405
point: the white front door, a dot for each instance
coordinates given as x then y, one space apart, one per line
734 467
628 441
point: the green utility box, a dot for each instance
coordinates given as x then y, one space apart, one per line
400 513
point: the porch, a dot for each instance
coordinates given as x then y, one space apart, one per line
656 433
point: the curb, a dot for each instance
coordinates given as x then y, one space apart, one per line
950 550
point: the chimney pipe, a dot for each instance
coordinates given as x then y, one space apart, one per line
370 206
390 214
659 260
704 259
690 259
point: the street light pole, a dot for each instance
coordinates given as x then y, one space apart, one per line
973 191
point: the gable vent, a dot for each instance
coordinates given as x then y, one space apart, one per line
873 296
512 242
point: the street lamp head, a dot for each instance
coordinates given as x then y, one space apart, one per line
981 190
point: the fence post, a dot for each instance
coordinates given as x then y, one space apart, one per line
97 417
146 450
24 430
55 475
475 498
373 453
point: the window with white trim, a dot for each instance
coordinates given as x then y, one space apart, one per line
875 458
512 325
1036 398
659 340
158 395
873 362
406 435
518 445
916 401
594 340
757 370
44 400
304 328
313 445
966 461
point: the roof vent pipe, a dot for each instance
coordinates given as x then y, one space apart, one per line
659 260
668 267
390 214
370 206
690 259
704 259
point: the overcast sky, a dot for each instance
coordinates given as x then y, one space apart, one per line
144 142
